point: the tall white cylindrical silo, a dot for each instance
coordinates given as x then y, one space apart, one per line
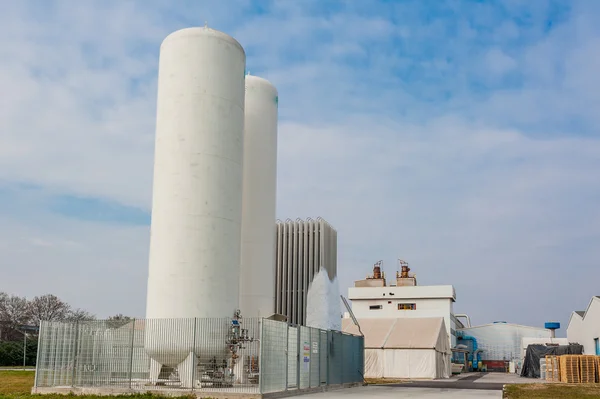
197 194
257 282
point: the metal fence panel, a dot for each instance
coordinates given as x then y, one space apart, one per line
102 354
139 364
274 357
323 357
361 359
305 357
203 355
335 361
292 379
56 354
348 358
315 357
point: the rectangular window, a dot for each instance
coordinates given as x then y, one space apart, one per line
597 345
407 306
375 307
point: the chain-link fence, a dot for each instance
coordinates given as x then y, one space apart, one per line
224 355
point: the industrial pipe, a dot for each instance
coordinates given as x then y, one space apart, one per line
464 315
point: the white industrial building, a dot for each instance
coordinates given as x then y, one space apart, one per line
373 298
415 348
304 247
584 327
497 345
492 346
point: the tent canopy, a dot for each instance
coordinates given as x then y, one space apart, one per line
402 333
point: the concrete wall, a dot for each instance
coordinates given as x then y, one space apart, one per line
575 330
584 330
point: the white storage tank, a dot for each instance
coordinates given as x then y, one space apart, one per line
197 194
257 282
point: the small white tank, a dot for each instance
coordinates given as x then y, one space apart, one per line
197 194
257 281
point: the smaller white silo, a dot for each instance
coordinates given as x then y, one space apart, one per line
257 275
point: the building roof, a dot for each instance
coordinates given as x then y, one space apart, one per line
578 315
403 292
502 324
402 333
583 313
594 298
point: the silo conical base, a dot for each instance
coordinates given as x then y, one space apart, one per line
154 371
186 370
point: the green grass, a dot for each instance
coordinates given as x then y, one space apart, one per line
18 384
552 391
15 384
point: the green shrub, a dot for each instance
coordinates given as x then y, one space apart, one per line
11 353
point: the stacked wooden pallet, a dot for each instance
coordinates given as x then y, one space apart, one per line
569 369
587 369
552 368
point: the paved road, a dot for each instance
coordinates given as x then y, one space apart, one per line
385 391
465 383
472 385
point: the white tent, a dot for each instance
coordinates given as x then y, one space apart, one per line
405 347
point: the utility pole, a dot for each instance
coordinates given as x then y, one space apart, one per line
24 349
23 330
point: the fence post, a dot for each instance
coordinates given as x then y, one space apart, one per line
37 356
310 356
342 338
194 360
75 354
362 357
329 346
287 356
320 351
131 349
260 355
298 357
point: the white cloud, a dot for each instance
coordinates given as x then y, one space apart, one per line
499 62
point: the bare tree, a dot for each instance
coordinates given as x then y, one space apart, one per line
118 320
80 315
48 308
13 313
3 323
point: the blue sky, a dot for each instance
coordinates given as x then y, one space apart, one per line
461 136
